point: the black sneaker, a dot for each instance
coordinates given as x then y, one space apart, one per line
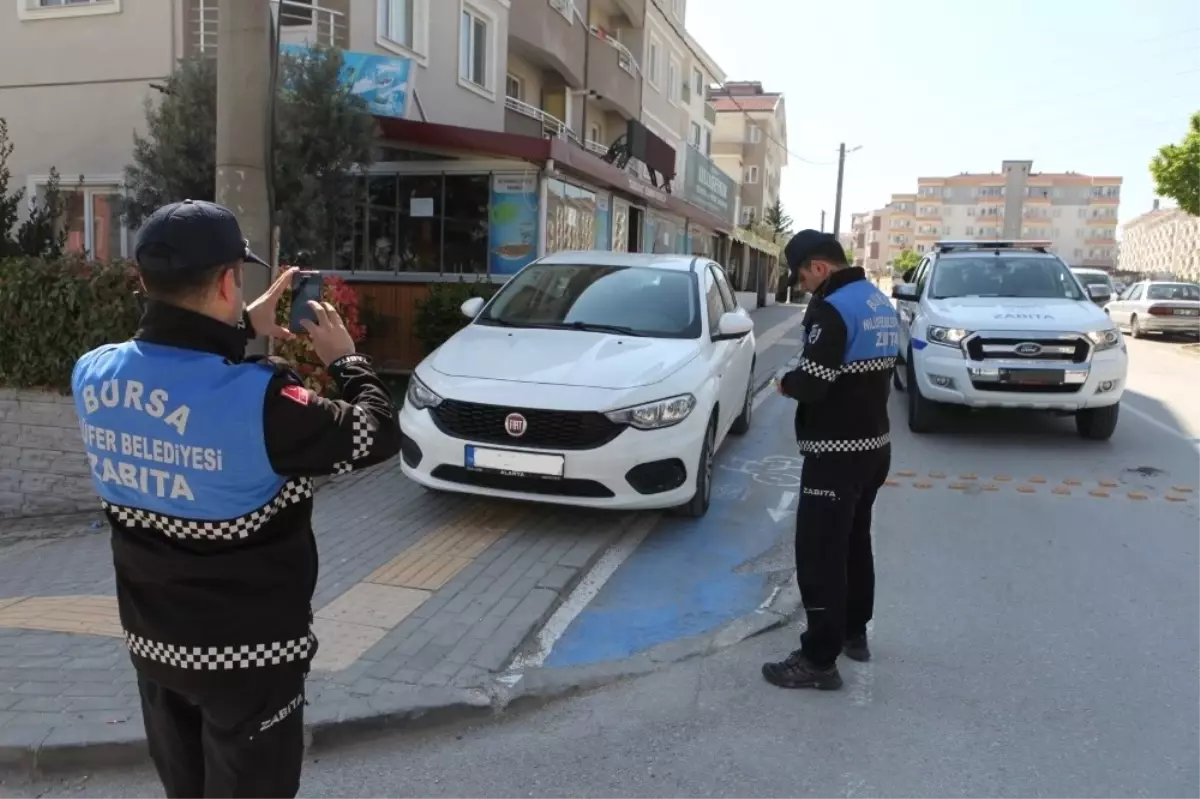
856 648
798 672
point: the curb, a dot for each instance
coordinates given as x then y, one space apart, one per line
404 708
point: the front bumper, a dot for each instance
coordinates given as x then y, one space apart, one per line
602 477
946 375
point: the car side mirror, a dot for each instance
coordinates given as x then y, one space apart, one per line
733 325
905 291
908 275
472 307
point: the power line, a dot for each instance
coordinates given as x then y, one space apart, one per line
684 38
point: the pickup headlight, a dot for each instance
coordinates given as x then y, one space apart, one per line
1105 339
420 396
655 415
949 336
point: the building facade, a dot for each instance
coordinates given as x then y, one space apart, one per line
750 143
1076 213
1163 243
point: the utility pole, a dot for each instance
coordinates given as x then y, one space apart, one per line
244 65
822 221
837 203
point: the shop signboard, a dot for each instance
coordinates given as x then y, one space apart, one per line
383 82
707 187
513 223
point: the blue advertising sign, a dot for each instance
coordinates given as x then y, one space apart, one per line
513 224
383 82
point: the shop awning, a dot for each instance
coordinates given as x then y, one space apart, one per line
568 158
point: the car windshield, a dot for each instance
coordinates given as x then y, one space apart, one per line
1173 291
1091 279
636 301
1002 276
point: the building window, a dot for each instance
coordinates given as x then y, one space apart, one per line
694 134
752 174
652 63
698 83
747 214
296 13
755 134
397 23
514 87
594 133
673 81
707 142
51 9
91 220
473 49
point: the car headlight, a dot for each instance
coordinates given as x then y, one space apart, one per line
1105 339
420 396
950 336
655 415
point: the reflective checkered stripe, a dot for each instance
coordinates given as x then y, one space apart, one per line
292 492
854 367
845 444
363 432
221 658
817 370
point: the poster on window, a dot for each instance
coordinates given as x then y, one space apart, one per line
384 82
513 226
620 225
603 220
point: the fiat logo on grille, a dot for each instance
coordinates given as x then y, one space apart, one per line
515 425
1028 349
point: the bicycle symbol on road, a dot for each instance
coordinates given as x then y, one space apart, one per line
780 471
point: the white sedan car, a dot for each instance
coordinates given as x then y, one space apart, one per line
596 379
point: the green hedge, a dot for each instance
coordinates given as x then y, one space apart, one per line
53 311
439 316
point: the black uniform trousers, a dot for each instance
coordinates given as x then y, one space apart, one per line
244 741
834 563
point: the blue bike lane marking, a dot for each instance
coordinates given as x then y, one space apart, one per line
683 579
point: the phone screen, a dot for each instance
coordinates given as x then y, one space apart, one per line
305 286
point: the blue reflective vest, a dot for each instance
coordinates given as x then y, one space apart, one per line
872 325
175 432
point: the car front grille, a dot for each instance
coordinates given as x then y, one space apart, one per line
985 347
544 429
567 487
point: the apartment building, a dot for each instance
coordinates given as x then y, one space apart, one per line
750 143
869 233
1077 213
1162 243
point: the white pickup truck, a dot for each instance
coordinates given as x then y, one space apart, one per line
1005 324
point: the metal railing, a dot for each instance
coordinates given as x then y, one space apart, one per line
552 126
625 59
299 22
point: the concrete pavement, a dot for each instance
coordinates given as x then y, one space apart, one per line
422 600
1036 634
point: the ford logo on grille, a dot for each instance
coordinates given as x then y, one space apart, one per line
1028 349
515 425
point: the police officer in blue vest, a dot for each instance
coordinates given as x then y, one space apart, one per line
204 461
841 386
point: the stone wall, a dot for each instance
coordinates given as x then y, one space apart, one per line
42 465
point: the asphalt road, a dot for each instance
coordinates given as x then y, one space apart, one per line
1027 643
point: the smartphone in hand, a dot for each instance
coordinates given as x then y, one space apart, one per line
306 286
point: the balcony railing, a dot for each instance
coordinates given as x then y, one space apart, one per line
625 59
299 23
710 114
552 126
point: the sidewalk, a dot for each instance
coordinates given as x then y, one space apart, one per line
423 599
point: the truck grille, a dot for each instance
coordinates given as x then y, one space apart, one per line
1009 347
544 429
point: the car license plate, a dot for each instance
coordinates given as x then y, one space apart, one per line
1034 377
1187 311
515 462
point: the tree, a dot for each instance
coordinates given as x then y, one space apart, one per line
321 132
39 235
1176 169
778 221
906 261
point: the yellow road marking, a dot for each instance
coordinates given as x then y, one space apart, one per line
957 486
1098 492
968 476
1182 489
1109 483
890 483
1137 495
906 473
1002 478
1173 498
1037 480
1026 490
83 615
922 484
937 475
1061 491
1071 481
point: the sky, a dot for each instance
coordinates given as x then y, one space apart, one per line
938 87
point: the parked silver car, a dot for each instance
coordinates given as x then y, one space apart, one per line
1154 306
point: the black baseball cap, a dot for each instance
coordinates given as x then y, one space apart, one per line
190 236
802 246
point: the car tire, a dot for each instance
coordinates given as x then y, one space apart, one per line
1097 424
897 383
922 413
1135 329
698 505
741 425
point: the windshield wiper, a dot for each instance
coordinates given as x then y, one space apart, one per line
593 327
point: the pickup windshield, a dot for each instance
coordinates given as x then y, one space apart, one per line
988 275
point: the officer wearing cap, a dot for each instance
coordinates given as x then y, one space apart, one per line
204 461
841 386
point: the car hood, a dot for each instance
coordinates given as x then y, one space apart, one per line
1039 313
561 357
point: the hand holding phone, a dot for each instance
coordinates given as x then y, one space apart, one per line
306 288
